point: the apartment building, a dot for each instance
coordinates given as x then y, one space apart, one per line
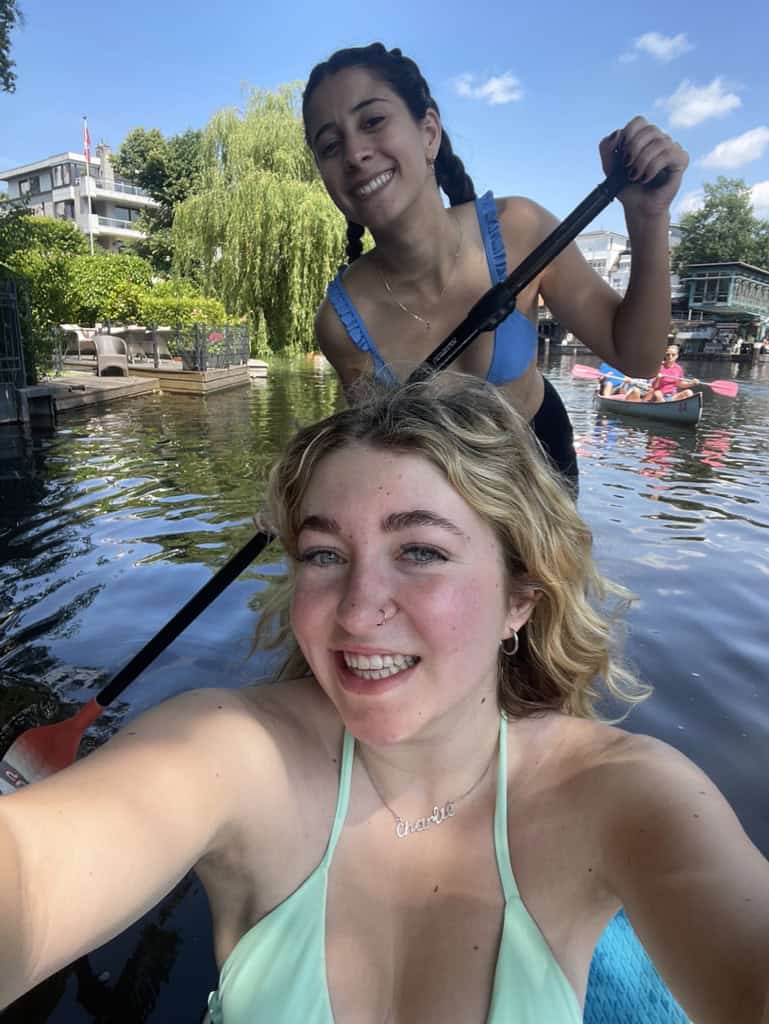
609 254
102 205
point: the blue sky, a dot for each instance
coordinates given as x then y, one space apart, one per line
526 91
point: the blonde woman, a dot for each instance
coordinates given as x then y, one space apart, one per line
429 822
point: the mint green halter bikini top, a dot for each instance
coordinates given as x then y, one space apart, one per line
276 974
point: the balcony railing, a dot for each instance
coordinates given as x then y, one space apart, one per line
120 186
116 222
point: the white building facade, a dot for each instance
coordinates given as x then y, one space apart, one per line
63 186
608 253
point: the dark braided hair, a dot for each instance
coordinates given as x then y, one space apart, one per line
404 78
355 234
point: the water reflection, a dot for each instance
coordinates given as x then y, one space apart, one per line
133 996
144 499
109 524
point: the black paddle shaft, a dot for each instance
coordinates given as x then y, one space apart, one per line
499 301
196 604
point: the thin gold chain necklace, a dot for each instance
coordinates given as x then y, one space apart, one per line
405 828
410 312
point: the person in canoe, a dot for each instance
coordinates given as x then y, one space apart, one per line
426 821
669 385
613 383
383 154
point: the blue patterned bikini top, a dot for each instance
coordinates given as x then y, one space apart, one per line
515 340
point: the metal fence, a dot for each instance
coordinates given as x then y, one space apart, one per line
199 346
210 346
12 373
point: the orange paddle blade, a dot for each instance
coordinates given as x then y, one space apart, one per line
40 752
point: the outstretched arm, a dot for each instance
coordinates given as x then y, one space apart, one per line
694 887
629 332
87 851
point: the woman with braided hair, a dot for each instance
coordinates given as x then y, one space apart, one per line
383 154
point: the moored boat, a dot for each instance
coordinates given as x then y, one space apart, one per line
681 410
256 368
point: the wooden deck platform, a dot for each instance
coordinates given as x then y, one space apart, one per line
170 376
77 390
192 382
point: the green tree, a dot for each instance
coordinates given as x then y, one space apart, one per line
179 302
169 170
261 232
724 229
107 287
10 17
21 231
141 158
42 280
37 252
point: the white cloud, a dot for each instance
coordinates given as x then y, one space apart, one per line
691 104
627 58
504 88
663 47
760 197
690 202
739 150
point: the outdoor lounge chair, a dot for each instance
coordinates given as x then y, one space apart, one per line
78 341
111 355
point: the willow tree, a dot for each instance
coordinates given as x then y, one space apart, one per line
261 232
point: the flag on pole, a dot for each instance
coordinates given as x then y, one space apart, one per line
86 140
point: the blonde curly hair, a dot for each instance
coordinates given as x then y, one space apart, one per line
469 431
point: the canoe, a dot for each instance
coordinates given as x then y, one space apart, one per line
682 410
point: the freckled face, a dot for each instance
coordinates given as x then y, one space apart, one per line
385 537
371 153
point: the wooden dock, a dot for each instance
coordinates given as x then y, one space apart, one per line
44 402
80 387
170 376
193 382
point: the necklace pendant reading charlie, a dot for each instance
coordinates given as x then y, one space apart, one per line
405 828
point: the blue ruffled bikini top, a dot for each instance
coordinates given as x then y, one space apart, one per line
515 340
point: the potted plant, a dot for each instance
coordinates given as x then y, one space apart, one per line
217 354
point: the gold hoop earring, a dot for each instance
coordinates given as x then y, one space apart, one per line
508 653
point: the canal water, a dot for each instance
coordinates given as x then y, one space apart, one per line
110 523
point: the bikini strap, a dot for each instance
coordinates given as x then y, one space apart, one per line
343 797
351 320
501 844
491 233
